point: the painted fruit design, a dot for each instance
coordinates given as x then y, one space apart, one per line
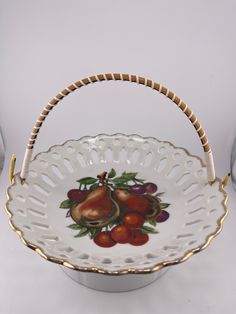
113 209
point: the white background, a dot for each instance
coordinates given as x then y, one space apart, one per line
188 46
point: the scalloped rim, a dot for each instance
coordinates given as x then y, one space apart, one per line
156 267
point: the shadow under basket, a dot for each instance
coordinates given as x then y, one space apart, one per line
116 211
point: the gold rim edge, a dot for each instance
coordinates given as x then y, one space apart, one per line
153 269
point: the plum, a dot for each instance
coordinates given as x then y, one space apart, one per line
138 189
163 216
150 187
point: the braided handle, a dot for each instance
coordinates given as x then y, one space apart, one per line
124 77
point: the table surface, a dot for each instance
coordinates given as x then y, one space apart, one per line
204 284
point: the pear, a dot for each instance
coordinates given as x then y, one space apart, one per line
97 210
146 205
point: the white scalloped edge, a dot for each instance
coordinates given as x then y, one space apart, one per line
196 216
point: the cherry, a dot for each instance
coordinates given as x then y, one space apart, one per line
120 234
163 216
137 189
137 238
150 187
77 195
133 220
104 239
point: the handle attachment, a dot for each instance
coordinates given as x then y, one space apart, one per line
12 168
225 180
117 77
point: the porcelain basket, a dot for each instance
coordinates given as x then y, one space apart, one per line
116 211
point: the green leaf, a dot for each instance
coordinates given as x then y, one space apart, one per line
112 173
146 229
111 224
129 175
94 186
159 194
139 180
125 177
83 232
87 180
164 205
120 180
153 222
66 204
94 232
121 186
74 226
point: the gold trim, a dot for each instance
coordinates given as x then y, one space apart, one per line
225 180
156 267
12 168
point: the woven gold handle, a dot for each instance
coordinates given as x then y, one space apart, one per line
116 77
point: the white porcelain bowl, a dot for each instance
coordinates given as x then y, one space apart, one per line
197 209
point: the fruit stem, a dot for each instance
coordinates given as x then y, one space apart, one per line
102 177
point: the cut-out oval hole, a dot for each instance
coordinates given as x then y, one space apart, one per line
170 247
51 238
21 212
107 261
190 188
173 171
20 198
108 155
36 212
192 242
195 198
162 164
187 235
123 154
41 189
37 201
68 165
94 155
40 225
33 174
57 171
147 160
183 179
206 227
150 255
129 260
83 256
80 158
135 156
194 222
197 210
48 180
27 227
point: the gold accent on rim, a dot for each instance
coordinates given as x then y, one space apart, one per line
157 267
12 168
225 180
